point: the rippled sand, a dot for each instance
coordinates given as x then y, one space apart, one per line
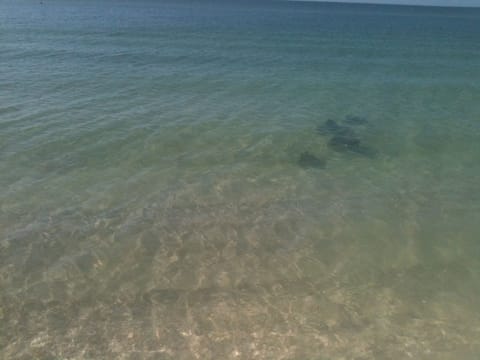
265 279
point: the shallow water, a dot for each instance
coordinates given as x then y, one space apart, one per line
156 200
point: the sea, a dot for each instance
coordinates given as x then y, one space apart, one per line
207 179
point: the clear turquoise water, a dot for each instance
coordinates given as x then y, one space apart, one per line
155 202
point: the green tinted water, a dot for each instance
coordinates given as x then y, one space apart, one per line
155 202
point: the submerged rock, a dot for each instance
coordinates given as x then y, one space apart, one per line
355 120
308 160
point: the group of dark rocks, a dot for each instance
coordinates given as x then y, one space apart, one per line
342 138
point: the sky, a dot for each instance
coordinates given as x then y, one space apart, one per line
420 2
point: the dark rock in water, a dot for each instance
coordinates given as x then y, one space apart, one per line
308 160
331 127
355 120
350 144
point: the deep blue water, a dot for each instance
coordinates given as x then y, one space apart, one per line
171 187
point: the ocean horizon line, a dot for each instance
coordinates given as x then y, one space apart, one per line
385 4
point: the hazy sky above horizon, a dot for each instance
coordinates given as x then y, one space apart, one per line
419 2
